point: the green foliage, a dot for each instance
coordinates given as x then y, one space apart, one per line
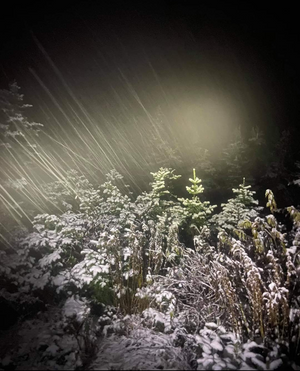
271 200
159 185
194 211
237 209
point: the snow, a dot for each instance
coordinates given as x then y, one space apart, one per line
49 259
158 320
258 363
230 366
143 343
275 364
60 280
207 362
142 349
128 343
211 325
42 344
215 344
67 241
38 280
294 313
230 349
292 250
52 349
99 269
217 367
251 344
297 182
206 349
74 307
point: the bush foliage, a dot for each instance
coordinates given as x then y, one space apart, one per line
242 271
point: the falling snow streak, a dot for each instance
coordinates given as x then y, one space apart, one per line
132 98
116 160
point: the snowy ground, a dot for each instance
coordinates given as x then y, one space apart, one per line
58 340
41 343
143 349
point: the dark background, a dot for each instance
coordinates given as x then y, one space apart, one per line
263 36
175 54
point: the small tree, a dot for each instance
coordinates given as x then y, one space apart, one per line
15 128
237 209
16 149
193 213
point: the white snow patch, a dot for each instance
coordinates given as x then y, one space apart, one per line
157 317
297 182
258 363
215 344
206 349
143 349
75 308
216 367
211 325
206 362
275 364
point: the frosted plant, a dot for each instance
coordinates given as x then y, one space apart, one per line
237 209
14 126
194 211
103 244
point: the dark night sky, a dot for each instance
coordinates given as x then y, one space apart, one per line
238 53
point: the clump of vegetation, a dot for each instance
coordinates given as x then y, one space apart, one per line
157 255
103 244
249 282
237 209
115 251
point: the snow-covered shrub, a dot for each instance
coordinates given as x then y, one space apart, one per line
105 245
248 284
126 253
66 194
237 209
14 125
158 297
202 289
56 339
140 349
17 150
268 273
105 248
